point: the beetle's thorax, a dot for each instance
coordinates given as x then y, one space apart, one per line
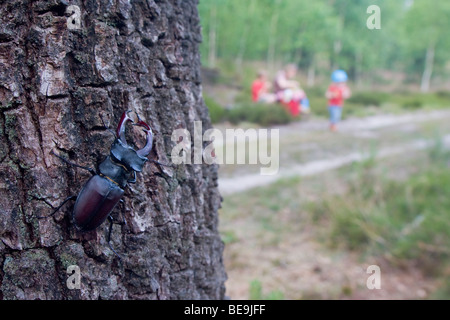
127 156
115 172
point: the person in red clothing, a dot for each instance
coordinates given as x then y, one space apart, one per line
337 92
260 89
289 92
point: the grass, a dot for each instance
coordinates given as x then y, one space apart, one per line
256 292
368 212
404 220
262 114
216 111
269 211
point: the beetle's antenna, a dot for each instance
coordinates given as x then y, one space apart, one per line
92 171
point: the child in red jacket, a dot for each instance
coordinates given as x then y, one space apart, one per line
337 92
260 89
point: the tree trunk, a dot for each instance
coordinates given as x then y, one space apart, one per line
428 70
337 47
58 75
212 37
311 76
244 35
358 69
272 37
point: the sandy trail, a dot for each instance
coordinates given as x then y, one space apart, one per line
365 127
300 265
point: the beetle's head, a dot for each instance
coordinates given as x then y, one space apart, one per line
126 154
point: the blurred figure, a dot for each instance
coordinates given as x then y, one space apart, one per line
337 92
260 89
289 92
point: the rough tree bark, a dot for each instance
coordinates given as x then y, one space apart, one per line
55 81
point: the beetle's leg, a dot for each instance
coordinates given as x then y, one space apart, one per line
133 179
59 207
123 222
108 239
120 220
92 171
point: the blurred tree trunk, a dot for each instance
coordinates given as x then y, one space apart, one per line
244 35
273 37
428 70
358 68
55 81
212 55
311 75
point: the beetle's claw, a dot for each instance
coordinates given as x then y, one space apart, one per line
142 124
120 131
149 143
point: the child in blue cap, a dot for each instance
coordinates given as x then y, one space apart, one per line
337 92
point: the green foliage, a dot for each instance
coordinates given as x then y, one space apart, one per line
325 34
263 114
405 220
256 292
229 237
443 292
443 94
413 103
370 98
216 111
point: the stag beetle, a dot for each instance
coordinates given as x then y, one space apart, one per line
104 189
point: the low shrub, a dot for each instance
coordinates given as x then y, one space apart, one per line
216 111
444 94
369 98
413 103
262 114
406 220
258 113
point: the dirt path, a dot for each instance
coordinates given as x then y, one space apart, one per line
357 129
296 263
